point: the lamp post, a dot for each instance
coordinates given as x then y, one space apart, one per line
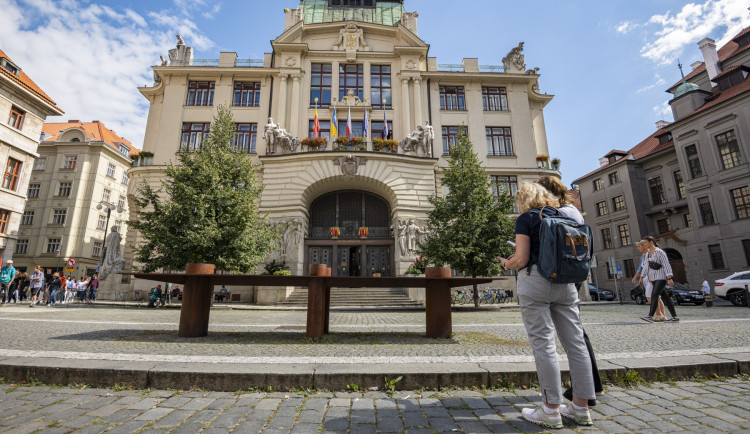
59 250
110 207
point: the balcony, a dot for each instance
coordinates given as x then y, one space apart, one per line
238 63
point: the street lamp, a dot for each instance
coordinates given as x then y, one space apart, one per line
59 250
109 207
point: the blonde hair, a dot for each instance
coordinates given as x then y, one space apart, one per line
555 187
533 195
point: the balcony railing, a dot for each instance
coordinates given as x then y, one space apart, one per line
451 67
239 63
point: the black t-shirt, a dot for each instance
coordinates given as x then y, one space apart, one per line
528 224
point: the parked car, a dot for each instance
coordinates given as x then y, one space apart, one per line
682 294
638 293
598 294
732 288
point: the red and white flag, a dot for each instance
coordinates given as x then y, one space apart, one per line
349 122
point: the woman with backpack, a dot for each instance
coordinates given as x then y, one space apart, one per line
659 273
543 304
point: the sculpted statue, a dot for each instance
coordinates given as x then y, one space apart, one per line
402 238
413 231
292 237
113 261
179 40
182 55
350 164
419 141
515 59
278 137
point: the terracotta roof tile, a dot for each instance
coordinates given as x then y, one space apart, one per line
26 82
95 131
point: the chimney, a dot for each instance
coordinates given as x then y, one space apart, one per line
711 57
603 161
74 121
661 124
696 64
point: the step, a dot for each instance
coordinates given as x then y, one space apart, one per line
356 297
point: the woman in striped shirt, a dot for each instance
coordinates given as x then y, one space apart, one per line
658 277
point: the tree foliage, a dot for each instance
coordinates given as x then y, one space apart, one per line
206 210
469 227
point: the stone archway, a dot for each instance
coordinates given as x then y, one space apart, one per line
678 266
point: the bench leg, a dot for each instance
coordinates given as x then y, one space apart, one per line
316 308
196 303
438 310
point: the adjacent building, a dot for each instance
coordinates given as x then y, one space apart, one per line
23 109
80 165
689 182
364 61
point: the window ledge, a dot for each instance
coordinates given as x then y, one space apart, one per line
194 105
459 111
503 156
496 111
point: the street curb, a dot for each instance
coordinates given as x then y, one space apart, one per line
236 377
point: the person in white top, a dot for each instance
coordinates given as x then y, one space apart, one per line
659 273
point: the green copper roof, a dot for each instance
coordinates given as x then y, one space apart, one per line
386 13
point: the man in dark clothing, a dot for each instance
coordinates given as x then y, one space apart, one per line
93 287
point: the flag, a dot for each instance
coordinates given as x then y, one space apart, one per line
364 128
385 126
316 124
349 122
334 123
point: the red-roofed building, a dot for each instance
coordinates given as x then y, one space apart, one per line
23 109
80 165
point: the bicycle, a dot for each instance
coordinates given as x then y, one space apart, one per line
460 297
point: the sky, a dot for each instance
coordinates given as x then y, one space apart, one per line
608 63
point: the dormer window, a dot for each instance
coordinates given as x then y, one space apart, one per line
743 40
10 66
731 78
665 138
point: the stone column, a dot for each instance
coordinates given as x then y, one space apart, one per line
282 100
334 81
418 100
406 128
295 107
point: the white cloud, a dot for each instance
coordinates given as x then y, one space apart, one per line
91 58
692 23
626 26
663 111
659 81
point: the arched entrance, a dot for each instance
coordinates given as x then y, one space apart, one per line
678 266
363 245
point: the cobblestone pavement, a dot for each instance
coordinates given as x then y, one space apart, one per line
705 407
388 336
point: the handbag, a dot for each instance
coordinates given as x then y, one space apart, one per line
654 265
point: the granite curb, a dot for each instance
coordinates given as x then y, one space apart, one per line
235 377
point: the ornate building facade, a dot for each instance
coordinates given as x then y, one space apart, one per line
359 206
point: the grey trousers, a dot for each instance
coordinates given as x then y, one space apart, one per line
546 307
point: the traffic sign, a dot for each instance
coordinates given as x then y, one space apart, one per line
72 262
619 268
70 270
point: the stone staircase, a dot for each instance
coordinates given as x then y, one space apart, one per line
355 297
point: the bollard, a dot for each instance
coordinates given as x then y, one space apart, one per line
747 297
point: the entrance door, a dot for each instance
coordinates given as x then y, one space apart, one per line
349 261
378 260
320 255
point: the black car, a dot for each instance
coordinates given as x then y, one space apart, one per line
598 294
679 294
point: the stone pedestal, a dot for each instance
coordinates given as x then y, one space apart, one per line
270 295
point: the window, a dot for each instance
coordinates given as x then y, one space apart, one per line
33 190
704 206
624 235
4 217
27 219
54 245
110 170
124 150
741 200
657 191
193 135
118 225
105 195
96 249
601 208
58 216
64 189
687 220
244 138
679 185
598 185
450 138
200 93
380 85
614 178
70 162
320 84
504 184
629 267
606 238
40 163
12 173
102 222
121 202
729 150
357 128
494 99
246 94
663 225
694 163
731 79
125 179
452 98
618 203
22 246
325 129
717 260
499 141
16 117
377 129
351 77
365 3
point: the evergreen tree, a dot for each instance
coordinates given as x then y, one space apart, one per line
206 210
469 227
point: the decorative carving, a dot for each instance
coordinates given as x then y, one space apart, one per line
533 70
278 137
351 39
113 261
419 142
411 64
182 55
292 237
290 61
410 234
350 164
351 98
515 60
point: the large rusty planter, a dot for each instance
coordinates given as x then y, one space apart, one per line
196 301
438 303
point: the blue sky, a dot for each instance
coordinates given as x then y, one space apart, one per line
608 63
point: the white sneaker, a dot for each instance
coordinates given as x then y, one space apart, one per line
538 416
581 417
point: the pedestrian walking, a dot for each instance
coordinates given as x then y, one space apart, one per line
36 284
706 287
7 276
82 287
659 273
543 304
660 315
54 287
93 287
23 286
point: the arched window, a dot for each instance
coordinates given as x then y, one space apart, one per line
350 211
